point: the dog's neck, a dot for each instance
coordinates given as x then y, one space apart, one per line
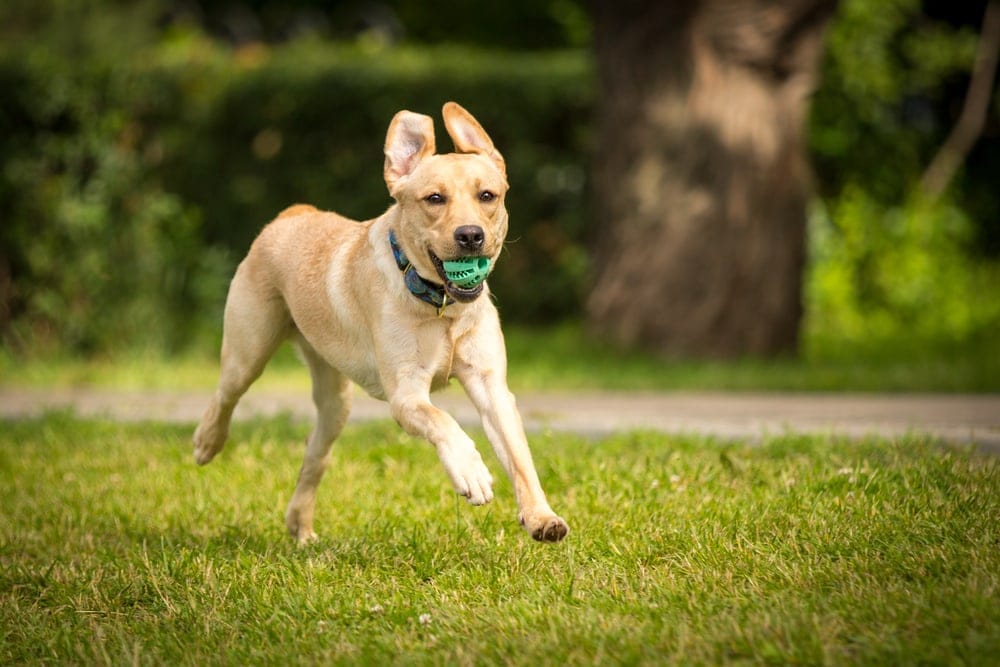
424 290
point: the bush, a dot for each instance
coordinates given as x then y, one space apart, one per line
896 276
887 98
95 253
133 186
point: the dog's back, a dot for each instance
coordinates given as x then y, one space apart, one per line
293 254
301 260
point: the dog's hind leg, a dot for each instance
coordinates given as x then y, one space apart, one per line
255 323
332 395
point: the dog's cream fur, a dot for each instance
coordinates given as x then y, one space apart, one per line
332 286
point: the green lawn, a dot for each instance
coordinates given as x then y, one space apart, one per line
565 358
116 549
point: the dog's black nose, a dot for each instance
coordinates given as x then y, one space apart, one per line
470 237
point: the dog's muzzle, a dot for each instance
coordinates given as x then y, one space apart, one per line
461 294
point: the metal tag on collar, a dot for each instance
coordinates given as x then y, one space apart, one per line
444 302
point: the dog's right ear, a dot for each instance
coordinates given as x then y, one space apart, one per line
469 136
409 140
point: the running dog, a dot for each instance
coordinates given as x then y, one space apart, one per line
371 302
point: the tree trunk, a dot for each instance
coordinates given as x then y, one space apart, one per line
701 180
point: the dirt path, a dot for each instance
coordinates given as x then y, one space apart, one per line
954 418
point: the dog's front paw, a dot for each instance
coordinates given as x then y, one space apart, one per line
469 475
545 527
208 441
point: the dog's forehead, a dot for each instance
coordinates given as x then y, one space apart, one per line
461 168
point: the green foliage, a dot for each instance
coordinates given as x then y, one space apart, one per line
513 25
876 118
897 275
115 548
136 175
888 270
532 24
98 252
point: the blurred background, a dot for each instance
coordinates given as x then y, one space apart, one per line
714 179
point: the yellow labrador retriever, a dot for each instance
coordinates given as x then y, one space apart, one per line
372 302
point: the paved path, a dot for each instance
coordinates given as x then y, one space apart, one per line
954 418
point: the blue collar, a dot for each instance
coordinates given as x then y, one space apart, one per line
424 290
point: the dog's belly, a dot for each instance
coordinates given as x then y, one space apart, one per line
362 370
352 356
365 376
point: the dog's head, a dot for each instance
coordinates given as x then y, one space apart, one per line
451 205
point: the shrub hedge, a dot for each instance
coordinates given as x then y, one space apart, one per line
206 145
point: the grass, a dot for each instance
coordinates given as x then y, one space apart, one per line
564 358
116 549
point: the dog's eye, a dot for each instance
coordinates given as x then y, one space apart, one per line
434 198
486 196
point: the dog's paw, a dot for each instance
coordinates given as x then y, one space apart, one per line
546 527
479 486
469 475
306 538
299 527
207 443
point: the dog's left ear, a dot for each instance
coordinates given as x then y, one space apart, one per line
469 136
409 140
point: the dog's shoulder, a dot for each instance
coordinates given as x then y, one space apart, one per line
303 231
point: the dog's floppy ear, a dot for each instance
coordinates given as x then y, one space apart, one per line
409 140
469 136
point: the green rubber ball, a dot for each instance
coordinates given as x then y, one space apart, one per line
467 272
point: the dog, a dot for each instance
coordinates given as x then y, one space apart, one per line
371 303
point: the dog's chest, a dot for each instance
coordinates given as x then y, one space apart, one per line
436 350
419 350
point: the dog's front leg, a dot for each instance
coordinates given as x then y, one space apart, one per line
481 367
412 408
503 427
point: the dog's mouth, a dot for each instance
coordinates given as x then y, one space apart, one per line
461 294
